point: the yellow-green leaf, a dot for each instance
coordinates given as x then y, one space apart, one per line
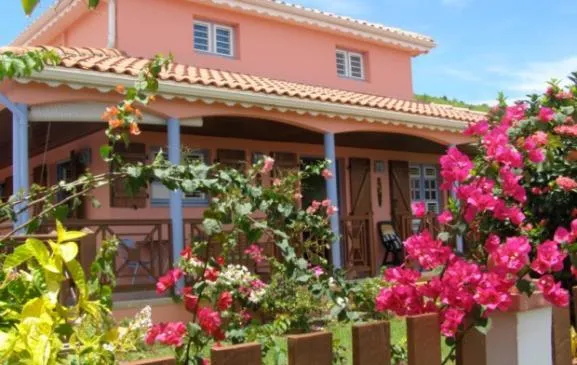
29 5
66 236
53 285
77 275
21 254
68 251
39 250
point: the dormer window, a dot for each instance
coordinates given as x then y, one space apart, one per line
214 38
350 64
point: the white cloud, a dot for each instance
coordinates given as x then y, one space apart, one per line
533 77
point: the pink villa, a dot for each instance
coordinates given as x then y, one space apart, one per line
251 78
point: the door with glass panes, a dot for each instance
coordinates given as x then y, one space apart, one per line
424 187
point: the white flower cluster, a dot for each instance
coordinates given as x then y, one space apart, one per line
192 266
256 295
142 320
236 276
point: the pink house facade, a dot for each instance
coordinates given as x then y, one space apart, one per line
251 78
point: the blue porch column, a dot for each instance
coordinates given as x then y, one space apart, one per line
332 194
20 163
176 195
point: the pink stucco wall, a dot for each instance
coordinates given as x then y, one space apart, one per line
158 139
264 47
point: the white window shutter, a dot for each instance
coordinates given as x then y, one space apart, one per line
202 36
223 40
341 63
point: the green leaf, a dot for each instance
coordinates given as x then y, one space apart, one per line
29 5
105 151
66 236
484 326
39 250
525 286
93 3
20 255
68 251
77 275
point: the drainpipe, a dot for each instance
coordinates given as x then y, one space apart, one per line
111 41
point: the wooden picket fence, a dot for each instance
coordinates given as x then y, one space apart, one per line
371 345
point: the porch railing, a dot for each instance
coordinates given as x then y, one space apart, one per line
144 253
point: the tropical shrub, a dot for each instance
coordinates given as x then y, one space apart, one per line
515 206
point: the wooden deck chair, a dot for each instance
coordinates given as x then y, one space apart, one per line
392 243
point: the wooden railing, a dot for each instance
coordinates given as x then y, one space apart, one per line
405 224
144 253
357 234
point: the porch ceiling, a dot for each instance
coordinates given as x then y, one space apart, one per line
389 142
60 134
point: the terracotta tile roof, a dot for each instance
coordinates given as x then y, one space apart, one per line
114 61
378 26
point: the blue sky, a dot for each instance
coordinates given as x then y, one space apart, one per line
484 46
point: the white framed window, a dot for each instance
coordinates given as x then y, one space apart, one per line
213 38
160 194
350 64
424 186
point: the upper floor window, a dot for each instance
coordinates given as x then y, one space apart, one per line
214 38
350 64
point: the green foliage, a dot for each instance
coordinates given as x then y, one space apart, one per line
14 65
454 102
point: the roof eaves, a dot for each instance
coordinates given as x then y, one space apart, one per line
105 82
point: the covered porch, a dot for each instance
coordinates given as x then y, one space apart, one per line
54 131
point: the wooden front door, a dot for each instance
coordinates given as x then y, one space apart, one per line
357 226
400 197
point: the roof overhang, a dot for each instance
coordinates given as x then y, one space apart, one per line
106 82
416 43
65 13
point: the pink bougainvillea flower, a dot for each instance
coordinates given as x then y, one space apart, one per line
445 218
562 235
418 209
540 138
493 293
211 274
326 203
549 258
170 334
209 321
566 183
477 129
317 271
568 130
546 114
455 167
168 280
315 205
254 251
332 210
451 319
430 253
513 114
511 186
553 292
327 174
267 166
536 156
401 275
224 301
511 256
492 242
190 300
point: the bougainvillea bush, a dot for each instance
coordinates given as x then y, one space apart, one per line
514 205
221 293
